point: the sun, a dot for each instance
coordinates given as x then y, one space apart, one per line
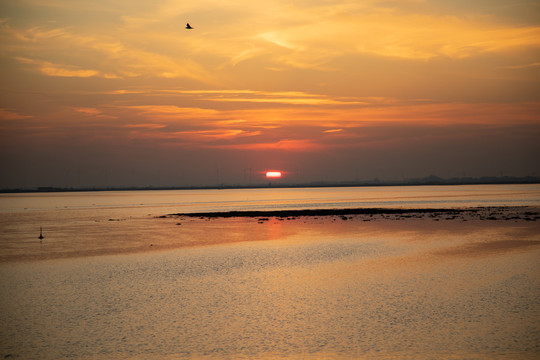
273 174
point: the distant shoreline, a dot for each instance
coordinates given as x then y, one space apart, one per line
429 181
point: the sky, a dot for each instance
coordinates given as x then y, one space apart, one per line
118 93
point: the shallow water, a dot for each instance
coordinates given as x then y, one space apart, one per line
364 290
308 288
139 203
96 223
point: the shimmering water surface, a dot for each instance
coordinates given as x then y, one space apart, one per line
112 280
175 201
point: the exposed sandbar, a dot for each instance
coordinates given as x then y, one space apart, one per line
322 212
480 213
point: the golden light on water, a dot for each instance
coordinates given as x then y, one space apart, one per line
453 283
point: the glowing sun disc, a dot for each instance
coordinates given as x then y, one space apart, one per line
273 174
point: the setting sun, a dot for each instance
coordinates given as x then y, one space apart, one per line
273 174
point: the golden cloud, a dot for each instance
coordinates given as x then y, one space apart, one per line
286 145
110 58
51 69
6 114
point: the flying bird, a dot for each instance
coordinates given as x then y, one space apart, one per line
188 26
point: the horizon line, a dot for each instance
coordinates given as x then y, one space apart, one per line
427 181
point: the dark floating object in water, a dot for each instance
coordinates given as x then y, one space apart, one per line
41 237
188 26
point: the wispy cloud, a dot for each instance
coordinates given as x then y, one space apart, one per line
293 127
7 114
51 69
408 36
258 96
106 56
145 126
139 41
283 145
523 66
292 99
173 112
94 112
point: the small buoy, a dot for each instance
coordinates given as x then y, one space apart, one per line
41 237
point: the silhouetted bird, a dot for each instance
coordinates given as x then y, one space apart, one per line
188 26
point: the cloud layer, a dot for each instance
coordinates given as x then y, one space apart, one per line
275 84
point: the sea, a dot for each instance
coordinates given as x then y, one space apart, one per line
141 202
117 277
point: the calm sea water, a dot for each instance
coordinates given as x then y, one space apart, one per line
175 201
293 289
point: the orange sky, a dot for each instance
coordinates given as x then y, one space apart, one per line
100 94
